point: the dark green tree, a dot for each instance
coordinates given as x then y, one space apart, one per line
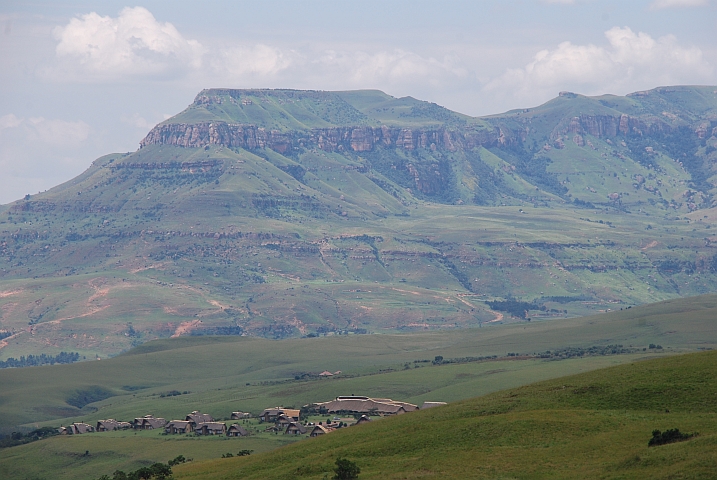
346 469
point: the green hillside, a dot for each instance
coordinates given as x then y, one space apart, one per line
218 375
285 213
223 374
593 425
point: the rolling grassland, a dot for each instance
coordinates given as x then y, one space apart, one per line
592 425
218 375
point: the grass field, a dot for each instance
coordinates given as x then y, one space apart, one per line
243 373
593 425
219 375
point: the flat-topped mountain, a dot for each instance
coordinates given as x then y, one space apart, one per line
284 213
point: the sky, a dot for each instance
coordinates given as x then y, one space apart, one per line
83 79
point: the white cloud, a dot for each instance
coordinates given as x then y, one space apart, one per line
133 43
58 133
37 153
660 4
54 132
137 121
386 68
9 121
630 61
241 61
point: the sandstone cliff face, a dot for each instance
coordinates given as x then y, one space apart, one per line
604 126
357 139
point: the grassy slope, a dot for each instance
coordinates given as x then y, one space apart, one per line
594 425
216 369
71 257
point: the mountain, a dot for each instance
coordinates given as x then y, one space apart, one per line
283 213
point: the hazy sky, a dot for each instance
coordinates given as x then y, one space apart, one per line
86 78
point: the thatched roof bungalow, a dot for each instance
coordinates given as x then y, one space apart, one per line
196 418
363 419
295 428
148 422
210 428
76 428
320 430
179 427
111 424
271 414
237 430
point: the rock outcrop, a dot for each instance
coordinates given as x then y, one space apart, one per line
356 139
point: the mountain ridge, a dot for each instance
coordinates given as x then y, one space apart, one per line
251 213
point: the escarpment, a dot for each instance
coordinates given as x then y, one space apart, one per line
356 139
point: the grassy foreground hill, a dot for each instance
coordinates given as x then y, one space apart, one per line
593 425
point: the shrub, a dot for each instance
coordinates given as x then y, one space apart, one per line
668 436
346 469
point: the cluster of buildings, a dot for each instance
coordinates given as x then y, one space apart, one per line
195 422
282 419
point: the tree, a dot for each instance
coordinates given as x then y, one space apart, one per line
346 469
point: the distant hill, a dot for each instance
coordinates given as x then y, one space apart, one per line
281 213
592 425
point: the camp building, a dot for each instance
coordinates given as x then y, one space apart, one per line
237 430
148 422
364 405
295 428
271 414
210 428
111 424
76 429
196 418
179 426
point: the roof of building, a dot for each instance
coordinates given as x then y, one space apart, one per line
321 428
196 417
211 426
294 426
365 405
238 428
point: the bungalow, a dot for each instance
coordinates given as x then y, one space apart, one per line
179 426
240 415
112 424
432 404
76 429
196 418
237 430
295 428
320 430
363 419
282 421
210 428
148 422
271 414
